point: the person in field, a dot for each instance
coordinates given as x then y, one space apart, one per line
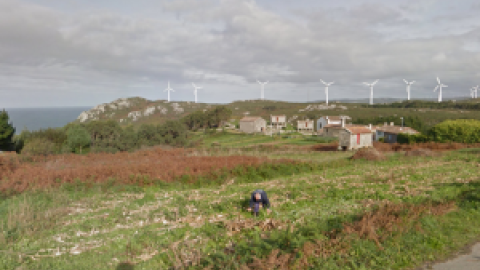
259 198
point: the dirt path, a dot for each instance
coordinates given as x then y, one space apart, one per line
469 261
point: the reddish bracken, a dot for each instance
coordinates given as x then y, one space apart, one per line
124 168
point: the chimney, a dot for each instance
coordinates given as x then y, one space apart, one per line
370 126
392 124
343 122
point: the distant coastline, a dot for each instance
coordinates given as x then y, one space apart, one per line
43 118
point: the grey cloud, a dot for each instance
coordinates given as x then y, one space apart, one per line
224 45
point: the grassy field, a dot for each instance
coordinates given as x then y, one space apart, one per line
238 140
313 221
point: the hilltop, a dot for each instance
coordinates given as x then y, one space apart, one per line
138 110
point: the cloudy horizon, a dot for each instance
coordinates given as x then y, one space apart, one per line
74 53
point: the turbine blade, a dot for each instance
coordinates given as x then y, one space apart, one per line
323 81
438 80
405 81
412 82
266 82
443 85
435 90
367 84
375 82
259 82
331 83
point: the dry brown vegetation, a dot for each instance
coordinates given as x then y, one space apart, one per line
141 168
434 146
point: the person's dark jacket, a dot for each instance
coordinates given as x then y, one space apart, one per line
264 199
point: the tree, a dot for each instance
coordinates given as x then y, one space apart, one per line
174 133
128 140
218 115
78 137
6 131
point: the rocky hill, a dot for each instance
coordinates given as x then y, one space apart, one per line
139 110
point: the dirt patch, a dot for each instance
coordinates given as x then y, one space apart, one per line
325 147
376 226
368 154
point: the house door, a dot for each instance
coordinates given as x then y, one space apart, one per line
306 124
358 138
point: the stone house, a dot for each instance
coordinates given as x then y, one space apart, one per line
330 121
278 121
305 125
355 138
250 124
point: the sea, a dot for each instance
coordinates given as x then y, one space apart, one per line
43 118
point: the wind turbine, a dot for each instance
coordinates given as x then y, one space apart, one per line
409 85
169 90
263 89
371 90
326 89
474 91
439 87
196 91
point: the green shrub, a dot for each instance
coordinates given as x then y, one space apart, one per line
40 147
409 139
461 130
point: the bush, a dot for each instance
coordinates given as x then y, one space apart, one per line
462 131
39 147
77 137
410 139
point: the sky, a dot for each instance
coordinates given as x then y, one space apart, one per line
56 53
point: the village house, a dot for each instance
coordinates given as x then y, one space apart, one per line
330 121
278 121
352 136
389 133
355 138
250 124
305 125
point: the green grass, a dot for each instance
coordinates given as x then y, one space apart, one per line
151 226
238 140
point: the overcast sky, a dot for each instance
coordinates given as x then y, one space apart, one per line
77 52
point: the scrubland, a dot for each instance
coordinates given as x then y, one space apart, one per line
329 211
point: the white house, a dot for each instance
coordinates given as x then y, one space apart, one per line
278 121
330 120
305 125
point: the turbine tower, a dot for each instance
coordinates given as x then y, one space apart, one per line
262 94
169 90
439 87
326 89
409 85
474 91
195 92
371 90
